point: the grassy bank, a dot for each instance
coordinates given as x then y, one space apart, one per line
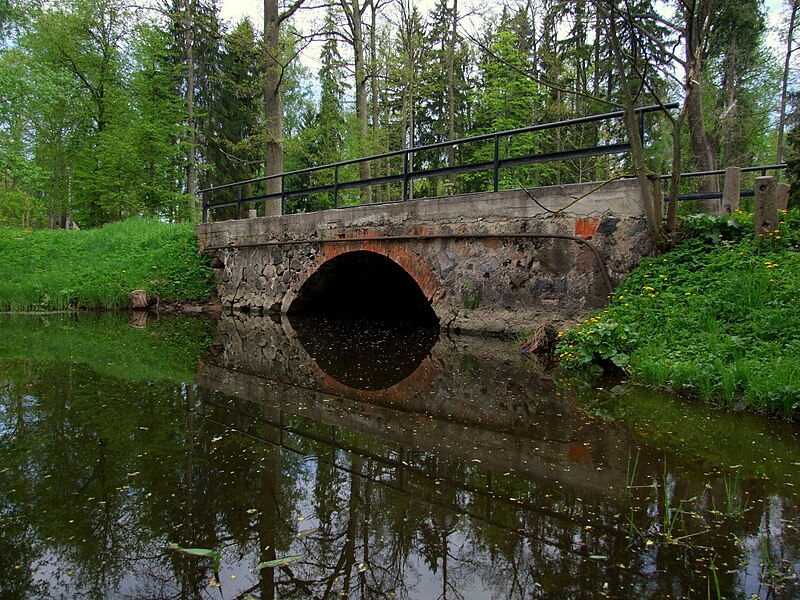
59 270
716 317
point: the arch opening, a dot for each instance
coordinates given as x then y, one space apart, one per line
364 284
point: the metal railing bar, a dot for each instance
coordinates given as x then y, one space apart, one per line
777 167
565 155
711 195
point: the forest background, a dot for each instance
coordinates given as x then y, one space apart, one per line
111 109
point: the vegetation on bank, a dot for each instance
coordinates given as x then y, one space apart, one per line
716 317
62 270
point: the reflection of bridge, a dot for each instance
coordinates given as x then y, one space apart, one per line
485 410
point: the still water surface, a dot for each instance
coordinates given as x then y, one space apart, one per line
383 462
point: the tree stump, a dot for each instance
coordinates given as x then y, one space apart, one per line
139 299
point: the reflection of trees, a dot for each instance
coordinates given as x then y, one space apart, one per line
97 482
74 454
397 520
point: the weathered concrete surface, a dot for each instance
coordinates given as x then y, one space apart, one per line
493 284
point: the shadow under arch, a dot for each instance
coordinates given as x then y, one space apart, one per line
367 359
363 283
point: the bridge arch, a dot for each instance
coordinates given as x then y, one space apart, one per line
381 279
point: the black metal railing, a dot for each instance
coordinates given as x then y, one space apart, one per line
691 180
264 190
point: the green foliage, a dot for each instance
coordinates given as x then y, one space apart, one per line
714 228
714 320
214 554
596 340
59 270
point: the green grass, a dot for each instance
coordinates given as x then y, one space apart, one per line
716 318
97 268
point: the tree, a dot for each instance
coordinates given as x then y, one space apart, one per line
196 38
443 84
234 137
330 120
275 64
790 31
408 55
157 123
80 45
354 15
634 56
322 140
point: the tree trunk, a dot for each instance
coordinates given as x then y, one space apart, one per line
650 203
451 86
354 17
728 155
785 81
273 107
702 147
675 179
373 49
191 152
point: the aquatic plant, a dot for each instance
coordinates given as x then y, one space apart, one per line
735 505
215 554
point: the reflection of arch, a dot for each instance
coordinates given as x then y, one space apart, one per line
410 387
410 263
419 375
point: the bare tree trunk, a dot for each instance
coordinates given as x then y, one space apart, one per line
645 177
451 86
354 13
273 107
191 152
373 50
728 156
785 80
675 179
702 146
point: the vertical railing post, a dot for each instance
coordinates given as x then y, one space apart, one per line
238 201
404 197
641 126
336 186
204 204
283 194
496 169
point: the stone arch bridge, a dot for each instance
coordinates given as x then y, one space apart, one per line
496 262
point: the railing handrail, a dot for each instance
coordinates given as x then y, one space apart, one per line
762 168
447 144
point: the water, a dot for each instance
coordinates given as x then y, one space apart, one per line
388 463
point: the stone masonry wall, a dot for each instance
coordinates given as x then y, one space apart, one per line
487 284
